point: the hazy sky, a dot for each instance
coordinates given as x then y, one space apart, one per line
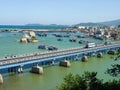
58 11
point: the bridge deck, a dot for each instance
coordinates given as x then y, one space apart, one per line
39 56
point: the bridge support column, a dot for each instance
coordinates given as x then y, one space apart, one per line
65 63
84 58
99 55
37 69
112 52
1 79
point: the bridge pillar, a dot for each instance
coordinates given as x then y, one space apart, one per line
65 63
37 69
100 55
84 58
112 52
1 79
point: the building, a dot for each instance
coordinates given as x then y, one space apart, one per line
81 27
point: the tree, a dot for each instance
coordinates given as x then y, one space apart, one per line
88 81
115 70
118 26
72 82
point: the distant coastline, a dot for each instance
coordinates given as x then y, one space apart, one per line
56 26
33 26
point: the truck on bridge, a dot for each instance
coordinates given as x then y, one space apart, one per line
90 45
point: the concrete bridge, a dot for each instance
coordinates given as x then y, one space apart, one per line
52 57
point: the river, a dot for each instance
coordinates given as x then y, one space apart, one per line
53 75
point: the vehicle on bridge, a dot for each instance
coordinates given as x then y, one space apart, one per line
107 43
90 45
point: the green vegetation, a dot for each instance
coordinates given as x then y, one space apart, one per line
75 27
115 70
118 26
33 38
88 81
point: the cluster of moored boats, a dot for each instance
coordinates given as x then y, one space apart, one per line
59 38
80 36
74 39
41 34
43 46
61 35
83 42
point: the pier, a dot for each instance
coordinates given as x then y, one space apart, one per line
22 62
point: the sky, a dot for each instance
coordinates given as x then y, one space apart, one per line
67 12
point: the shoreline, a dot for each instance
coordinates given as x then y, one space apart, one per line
35 30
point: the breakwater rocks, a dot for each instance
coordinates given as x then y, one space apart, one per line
29 38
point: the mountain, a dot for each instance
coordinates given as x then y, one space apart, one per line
113 22
47 25
106 23
89 24
44 25
33 24
50 26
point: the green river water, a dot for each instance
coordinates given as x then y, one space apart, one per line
53 75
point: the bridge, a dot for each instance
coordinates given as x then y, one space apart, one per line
28 61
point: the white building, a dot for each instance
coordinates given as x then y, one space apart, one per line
81 27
